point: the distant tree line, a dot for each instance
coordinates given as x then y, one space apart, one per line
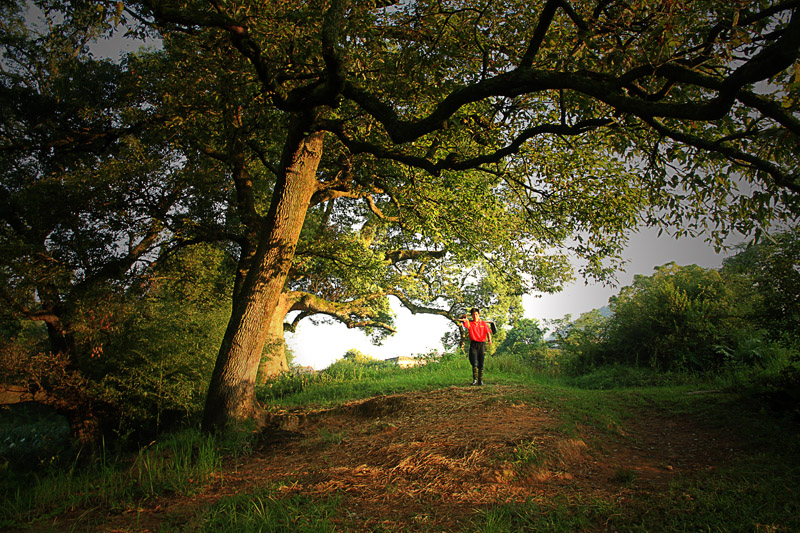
694 319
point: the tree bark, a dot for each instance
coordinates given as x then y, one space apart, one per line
231 394
273 358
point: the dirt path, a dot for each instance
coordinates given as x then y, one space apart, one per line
429 461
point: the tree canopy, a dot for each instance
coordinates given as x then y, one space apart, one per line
331 145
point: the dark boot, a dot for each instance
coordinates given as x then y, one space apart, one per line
474 375
480 376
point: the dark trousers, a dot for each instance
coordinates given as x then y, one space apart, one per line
477 352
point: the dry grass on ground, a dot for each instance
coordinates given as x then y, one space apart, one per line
431 460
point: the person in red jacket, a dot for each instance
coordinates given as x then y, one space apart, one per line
479 334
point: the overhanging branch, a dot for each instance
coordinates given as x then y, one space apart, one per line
354 314
732 154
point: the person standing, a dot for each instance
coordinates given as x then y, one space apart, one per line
479 334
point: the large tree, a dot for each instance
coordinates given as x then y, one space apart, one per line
86 193
359 244
566 121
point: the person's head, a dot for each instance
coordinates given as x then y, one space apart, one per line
475 313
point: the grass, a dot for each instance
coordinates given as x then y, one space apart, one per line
561 515
350 382
759 491
267 511
178 464
756 494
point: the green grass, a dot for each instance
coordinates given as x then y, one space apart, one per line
562 514
179 463
267 511
349 382
759 492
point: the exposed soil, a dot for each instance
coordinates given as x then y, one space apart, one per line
429 461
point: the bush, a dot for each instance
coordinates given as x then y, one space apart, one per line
32 436
154 370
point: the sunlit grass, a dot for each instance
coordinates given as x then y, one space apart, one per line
353 382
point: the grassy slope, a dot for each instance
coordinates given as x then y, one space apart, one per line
758 491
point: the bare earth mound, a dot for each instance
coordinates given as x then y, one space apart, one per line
431 460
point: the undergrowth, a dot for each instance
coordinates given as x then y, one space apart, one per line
178 463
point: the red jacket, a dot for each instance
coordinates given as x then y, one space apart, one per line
478 331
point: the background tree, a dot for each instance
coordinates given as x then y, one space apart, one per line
525 336
84 200
680 318
580 340
770 268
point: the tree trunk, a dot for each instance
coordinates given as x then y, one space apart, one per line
231 393
84 425
65 385
273 359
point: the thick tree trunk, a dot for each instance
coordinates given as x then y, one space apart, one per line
273 358
84 425
231 394
66 386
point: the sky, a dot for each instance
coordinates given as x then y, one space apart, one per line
320 345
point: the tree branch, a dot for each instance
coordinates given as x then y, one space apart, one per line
542 25
397 256
452 161
353 314
421 309
732 154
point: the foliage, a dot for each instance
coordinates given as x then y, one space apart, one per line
149 371
579 341
86 195
770 269
730 320
355 356
523 349
524 336
505 136
680 318
154 370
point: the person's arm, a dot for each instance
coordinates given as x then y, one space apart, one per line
488 332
